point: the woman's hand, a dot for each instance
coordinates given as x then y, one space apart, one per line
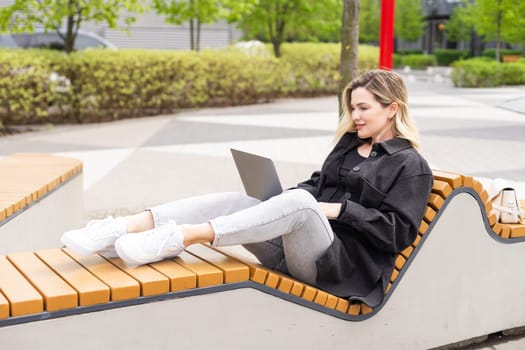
331 210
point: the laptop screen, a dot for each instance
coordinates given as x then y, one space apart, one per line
258 175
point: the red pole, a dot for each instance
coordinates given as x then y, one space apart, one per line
386 36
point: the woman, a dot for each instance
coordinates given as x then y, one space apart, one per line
339 230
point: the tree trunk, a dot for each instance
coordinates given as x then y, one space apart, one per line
192 31
348 68
192 43
498 32
69 36
198 39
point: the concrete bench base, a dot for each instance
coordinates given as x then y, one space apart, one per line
47 198
41 225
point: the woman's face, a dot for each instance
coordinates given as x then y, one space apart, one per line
371 119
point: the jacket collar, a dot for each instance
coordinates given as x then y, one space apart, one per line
390 146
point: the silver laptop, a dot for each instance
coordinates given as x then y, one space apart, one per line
258 175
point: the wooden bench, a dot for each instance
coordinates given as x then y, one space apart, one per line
41 195
461 278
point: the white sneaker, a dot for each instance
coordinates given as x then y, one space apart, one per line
162 242
97 236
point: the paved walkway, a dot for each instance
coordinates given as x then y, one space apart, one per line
132 164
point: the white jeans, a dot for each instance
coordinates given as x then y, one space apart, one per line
288 232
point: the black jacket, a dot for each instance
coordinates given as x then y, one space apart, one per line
384 199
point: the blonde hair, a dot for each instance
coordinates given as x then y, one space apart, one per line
387 87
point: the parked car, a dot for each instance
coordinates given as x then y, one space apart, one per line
51 40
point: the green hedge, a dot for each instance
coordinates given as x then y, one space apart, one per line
404 52
479 72
97 85
29 89
445 57
313 69
492 52
418 61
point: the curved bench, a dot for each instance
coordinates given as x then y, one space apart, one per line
459 280
41 195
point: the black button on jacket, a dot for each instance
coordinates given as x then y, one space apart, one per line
389 196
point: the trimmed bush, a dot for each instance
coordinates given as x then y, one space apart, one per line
397 60
96 85
512 73
314 68
404 52
479 72
446 57
30 85
418 61
492 52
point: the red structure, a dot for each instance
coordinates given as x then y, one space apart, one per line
386 35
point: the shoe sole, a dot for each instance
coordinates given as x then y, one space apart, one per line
130 262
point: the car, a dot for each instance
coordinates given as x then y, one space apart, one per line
51 40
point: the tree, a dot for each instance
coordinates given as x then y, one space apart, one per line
459 27
498 20
198 12
279 20
369 21
409 20
54 15
348 68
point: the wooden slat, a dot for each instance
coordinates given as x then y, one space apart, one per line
23 298
58 295
354 309
497 228
454 180
505 231
331 301
272 280
416 241
423 228
257 274
19 201
394 275
430 214
285 284
151 281
321 297
91 290
342 305
400 261
468 181
122 286
4 307
441 188
477 186
7 208
309 293
517 230
179 277
435 201
234 271
297 289
207 274
407 252
492 217
365 309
